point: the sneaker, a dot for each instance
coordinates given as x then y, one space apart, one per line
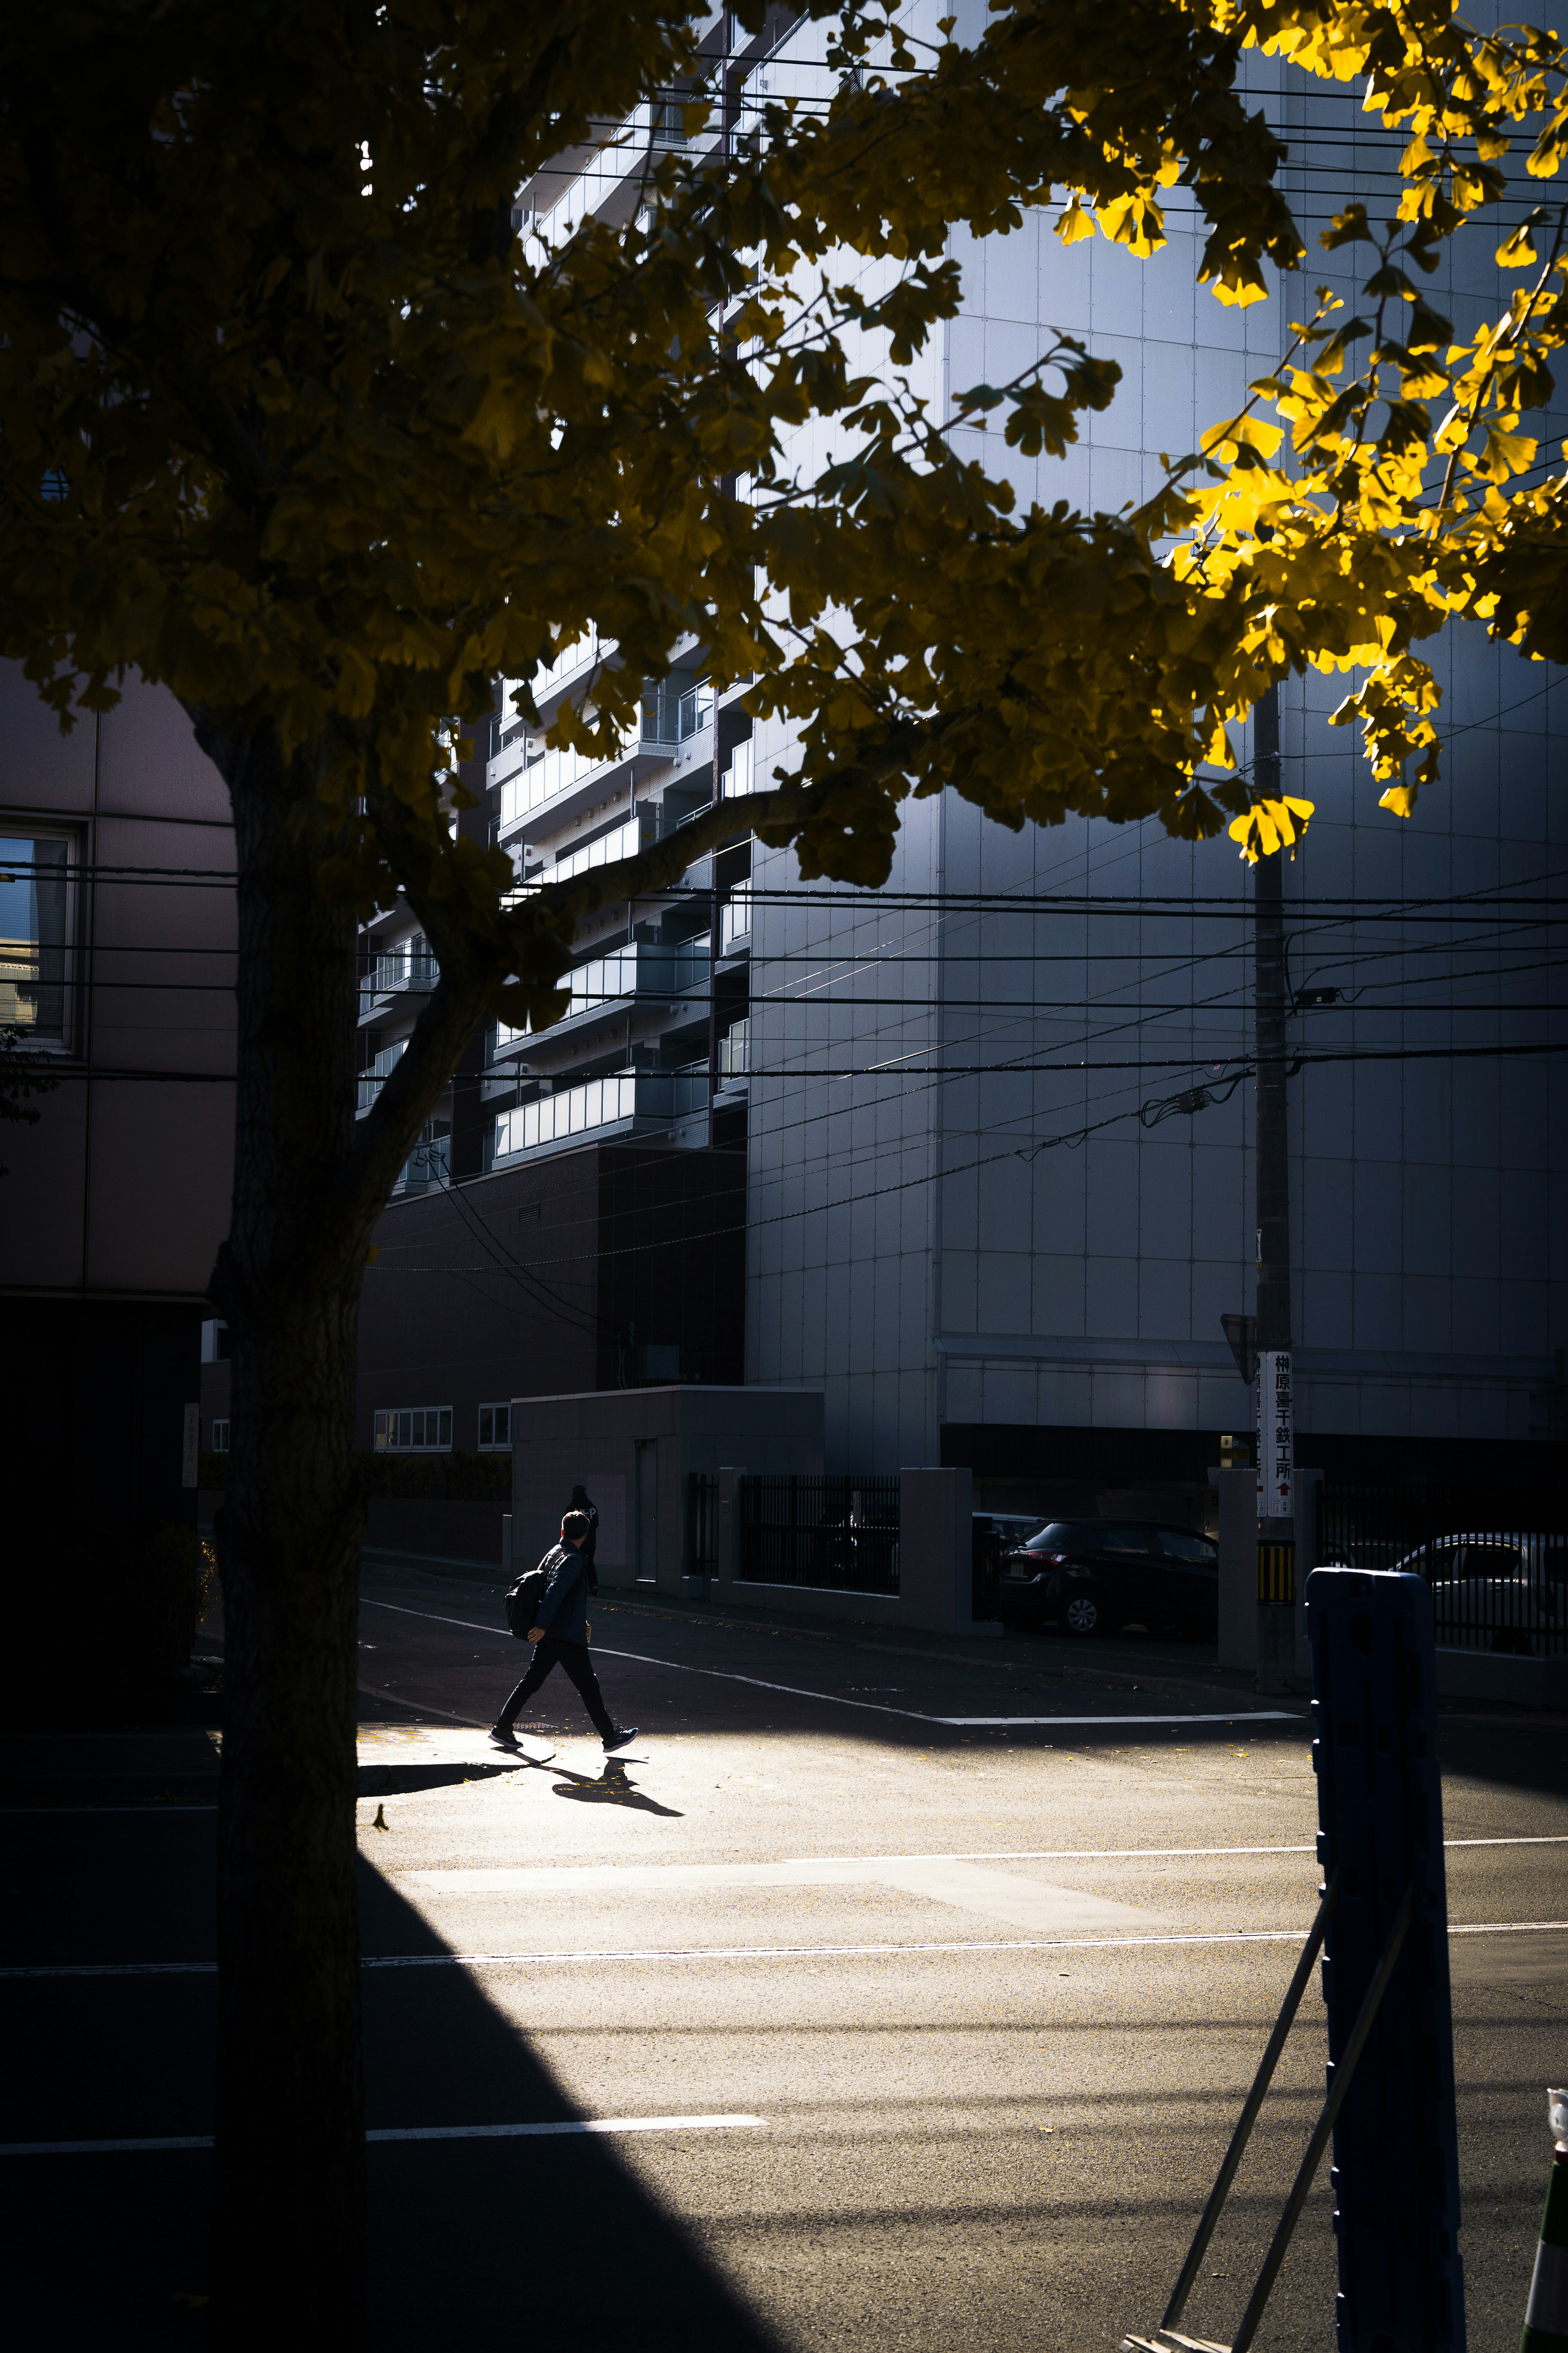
502 1736
621 1739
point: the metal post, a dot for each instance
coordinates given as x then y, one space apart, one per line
1379 1813
1249 2117
1276 1526
1339 2092
715 921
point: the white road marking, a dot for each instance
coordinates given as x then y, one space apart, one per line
876 1707
411 2132
761 1952
1070 1723
939 1879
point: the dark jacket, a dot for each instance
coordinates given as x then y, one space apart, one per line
563 1612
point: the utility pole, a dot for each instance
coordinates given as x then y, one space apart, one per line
1271 1164
715 937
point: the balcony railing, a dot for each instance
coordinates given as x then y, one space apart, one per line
372 1082
559 768
405 968
735 1048
639 971
427 1166
597 1105
736 921
740 776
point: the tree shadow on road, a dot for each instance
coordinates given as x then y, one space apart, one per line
553 2239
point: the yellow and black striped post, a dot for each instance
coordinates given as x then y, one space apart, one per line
1276 1570
1546 2316
1275 1613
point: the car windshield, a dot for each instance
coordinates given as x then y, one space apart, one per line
1090 1535
1181 1543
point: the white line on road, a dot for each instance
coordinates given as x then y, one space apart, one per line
876 1707
411 2132
1231 1936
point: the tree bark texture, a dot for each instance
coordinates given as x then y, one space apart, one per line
289 2257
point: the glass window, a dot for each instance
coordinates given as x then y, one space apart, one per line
495 1429
1128 1540
414 1430
1059 1535
34 937
1492 1560
1181 1543
220 1437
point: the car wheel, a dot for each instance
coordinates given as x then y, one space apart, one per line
1084 1615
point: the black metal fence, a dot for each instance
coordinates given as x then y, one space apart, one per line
839 1533
702 1524
1496 1559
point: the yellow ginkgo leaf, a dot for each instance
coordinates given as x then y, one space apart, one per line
1270 825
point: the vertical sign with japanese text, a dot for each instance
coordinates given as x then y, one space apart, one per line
1276 1436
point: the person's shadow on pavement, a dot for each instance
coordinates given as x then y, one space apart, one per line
611 1788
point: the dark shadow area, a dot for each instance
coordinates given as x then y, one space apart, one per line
403 1780
553 2239
468 2240
1529 1753
611 1787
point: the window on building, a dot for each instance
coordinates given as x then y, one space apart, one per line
220 1437
414 1430
35 934
495 1429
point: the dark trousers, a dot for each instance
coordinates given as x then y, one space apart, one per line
574 1660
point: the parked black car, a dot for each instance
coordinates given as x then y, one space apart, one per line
1095 1576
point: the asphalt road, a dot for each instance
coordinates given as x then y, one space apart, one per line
934 2016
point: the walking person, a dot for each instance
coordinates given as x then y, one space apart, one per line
560 1639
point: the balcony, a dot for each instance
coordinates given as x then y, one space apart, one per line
556 785
563 782
429 1165
410 969
608 983
372 1082
631 1102
736 922
740 776
734 1050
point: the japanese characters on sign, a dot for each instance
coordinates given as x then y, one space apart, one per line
1276 1436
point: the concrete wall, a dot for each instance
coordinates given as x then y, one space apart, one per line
633 1449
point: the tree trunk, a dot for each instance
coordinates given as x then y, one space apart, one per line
289 2257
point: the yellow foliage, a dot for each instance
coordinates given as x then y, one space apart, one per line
1270 825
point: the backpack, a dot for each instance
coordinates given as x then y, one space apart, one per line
524 1597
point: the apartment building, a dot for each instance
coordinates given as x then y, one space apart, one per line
117 930
992 1126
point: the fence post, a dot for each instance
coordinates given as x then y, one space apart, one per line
935 1561
1308 1527
728 1541
1238 1568
1380 1810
